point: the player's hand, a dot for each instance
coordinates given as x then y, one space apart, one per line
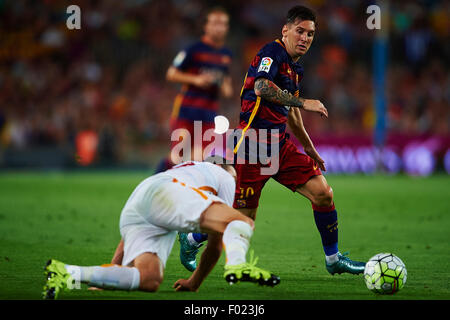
184 285
315 106
204 80
312 152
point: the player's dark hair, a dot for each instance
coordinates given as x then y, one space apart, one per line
300 12
213 10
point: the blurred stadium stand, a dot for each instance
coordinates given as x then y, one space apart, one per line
98 96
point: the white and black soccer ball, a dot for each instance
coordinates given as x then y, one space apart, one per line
385 273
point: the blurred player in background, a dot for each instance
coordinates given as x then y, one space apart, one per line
193 196
270 99
203 71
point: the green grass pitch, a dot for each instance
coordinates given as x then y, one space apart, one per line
74 217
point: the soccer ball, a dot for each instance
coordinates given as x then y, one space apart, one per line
385 273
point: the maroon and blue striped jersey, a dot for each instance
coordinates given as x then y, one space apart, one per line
273 63
194 103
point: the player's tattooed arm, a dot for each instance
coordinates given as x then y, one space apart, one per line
271 92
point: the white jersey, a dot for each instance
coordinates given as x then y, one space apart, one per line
205 176
171 201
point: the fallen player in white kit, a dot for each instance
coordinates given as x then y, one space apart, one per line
191 197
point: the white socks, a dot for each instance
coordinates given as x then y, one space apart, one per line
108 277
332 259
236 241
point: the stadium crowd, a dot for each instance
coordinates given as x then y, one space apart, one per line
105 82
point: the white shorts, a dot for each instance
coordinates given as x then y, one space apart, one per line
158 208
139 239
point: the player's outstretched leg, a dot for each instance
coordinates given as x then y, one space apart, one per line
335 262
325 217
61 276
190 243
236 230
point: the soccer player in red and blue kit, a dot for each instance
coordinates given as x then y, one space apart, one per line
203 70
270 99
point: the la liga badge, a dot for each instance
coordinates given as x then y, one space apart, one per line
265 64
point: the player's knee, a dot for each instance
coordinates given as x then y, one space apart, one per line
150 285
324 197
150 271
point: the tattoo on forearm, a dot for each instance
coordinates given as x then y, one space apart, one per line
273 93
